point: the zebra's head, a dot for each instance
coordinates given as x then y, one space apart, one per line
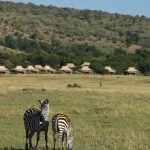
44 109
44 103
70 139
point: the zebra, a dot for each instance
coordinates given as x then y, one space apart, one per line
36 121
61 124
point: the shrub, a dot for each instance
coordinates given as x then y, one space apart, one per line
74 85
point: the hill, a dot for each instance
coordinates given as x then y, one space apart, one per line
57 36
68 25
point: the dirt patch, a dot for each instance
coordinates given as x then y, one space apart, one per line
3 96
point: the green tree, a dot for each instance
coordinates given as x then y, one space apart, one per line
10 42
53 60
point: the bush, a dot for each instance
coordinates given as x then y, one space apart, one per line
74 85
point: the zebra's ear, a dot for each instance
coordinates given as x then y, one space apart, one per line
40 101
47 101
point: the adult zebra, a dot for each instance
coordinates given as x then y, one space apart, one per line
61 124
36 121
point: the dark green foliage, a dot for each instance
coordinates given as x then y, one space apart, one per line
37 31
11 42
59 55
119 52
53 60
132 38
98 65
144 63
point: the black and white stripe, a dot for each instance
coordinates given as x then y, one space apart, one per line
36 121
61 124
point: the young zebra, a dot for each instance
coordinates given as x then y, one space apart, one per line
61 124
36 121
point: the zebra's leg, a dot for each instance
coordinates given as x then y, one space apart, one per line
54 140
30 139
59 140
37 140
63 141
27 136
46 138
66 141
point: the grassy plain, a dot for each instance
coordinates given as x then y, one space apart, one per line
115 116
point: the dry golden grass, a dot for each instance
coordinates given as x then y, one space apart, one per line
112 117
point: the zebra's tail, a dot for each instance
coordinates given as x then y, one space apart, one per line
55 124
24 119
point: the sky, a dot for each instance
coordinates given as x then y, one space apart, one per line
131 7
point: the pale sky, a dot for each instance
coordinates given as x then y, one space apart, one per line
132 7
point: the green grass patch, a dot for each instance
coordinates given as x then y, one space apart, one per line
112 117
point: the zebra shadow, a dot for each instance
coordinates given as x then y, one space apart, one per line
11 148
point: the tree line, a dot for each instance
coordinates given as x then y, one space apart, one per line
56 55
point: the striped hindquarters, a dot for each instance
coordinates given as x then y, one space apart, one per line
32 119
60 122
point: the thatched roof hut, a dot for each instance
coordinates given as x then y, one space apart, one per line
4 70
110 70
66 69
86 69
31 69
19 69
71 65
131 71
49 69
39 67
86 64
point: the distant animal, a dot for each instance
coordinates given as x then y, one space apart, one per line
8 86
61 124
43 86
36 121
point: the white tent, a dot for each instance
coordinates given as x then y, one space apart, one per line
71 65
131 70
110 70
49 69
86 69
86 64
39 67
4 70
66 69
19 69
32 69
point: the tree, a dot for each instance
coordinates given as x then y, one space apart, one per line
10 42
132 38
53 60
119 51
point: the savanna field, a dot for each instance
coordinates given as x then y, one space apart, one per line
115 116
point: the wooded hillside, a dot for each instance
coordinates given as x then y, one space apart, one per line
73 26
56 36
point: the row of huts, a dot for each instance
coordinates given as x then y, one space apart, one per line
69 68
29 69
